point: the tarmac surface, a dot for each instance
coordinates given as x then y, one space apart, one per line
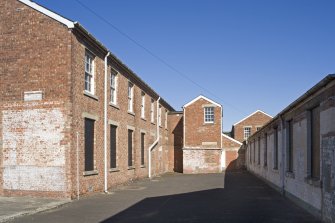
233 197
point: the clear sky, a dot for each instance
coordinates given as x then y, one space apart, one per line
250 55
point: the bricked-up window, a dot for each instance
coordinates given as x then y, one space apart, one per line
142 105
130 97
89 72
130 147
254 153
113 129
166 117
160 116
142 148
89 144
247 132
276 146
209 114
259 151
113 85
289 146
152 109
315 142
265 149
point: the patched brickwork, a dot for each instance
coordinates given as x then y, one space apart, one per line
201 161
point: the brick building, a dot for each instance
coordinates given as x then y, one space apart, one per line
74 119
295 151
244 128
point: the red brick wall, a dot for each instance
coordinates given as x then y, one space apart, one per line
196 131
35 56
254 121
39 53
176 142
118 114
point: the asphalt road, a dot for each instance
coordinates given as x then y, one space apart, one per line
234 197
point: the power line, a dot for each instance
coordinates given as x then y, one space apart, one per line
154 55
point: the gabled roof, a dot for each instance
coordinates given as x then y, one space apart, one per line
252 115
202 97
51 14
231 139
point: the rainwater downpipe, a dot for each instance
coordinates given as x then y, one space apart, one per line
283 143
105 125
156 141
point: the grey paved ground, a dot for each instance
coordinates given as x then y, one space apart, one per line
11 207
182 198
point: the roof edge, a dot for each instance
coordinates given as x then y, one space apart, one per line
324 82
252 115
232 139
203 97
47 12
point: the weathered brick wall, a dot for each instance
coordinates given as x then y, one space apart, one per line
316 195
328 158
176 142
197 132
34 149
35 56
201 161
257 120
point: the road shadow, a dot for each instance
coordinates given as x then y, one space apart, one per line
244 199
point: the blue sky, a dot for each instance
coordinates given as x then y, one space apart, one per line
249 54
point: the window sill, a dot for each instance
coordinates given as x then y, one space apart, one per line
131 168
209 123
90 95
143 119
131 113
142 166
91 173
114 170
114 105
290 175
316 182
152 123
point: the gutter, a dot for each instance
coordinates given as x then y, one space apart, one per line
156 141
105 124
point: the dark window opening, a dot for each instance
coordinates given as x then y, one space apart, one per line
130 147
113 146
89 144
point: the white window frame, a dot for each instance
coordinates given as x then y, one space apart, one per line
143 105
209 115
89 72
152 110
113 89
246 134
130 97
160 115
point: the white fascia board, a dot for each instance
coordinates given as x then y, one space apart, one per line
252 115
230 138
49 13
203 97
